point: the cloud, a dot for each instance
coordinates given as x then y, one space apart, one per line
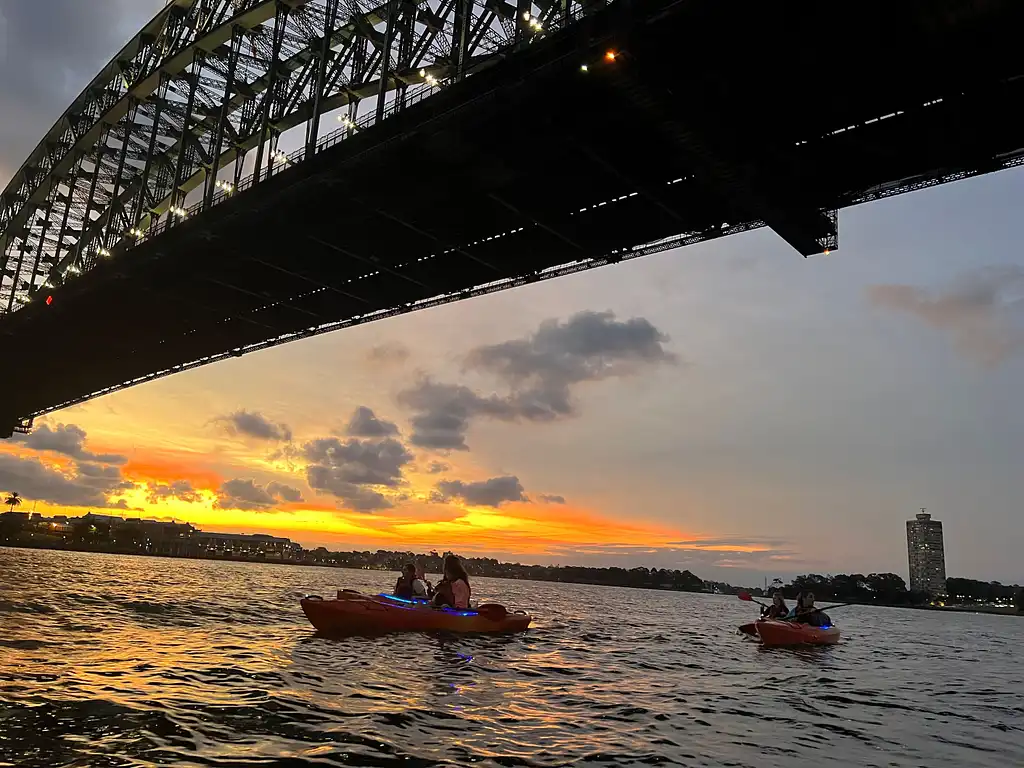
255 425
392 353
245 494
977 310
486 493
90 486
365 424
179 489
538 371
437 467
353 469
68 440
549 498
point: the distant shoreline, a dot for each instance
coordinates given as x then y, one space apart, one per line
269 561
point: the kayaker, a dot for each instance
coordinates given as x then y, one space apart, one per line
454 590
777 609
808 614
405 586
421 587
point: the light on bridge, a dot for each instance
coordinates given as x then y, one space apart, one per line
101 251
49 300
584 68
610 55
174 210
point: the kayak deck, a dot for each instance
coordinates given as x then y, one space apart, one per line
353 613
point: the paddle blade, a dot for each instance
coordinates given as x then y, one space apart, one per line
745 597
492 611
749 629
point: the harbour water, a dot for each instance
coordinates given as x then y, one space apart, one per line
130 661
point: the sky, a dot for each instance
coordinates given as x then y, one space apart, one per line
730 407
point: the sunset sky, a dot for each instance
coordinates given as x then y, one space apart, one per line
731 408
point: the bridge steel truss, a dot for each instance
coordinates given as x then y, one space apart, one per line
207 88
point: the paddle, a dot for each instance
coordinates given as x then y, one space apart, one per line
745 597
492 611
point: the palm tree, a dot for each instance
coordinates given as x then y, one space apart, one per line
13 499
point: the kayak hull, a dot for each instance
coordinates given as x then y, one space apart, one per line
781 633
355 614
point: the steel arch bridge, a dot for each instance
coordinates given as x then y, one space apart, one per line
208 84
169 175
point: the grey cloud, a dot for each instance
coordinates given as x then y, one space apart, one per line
443 413
390 353
68 440
48 53
364 423
256 425
245 494
284 492
34 480
486 493
179 489
437 467
352 469
539 373
550 498
978 311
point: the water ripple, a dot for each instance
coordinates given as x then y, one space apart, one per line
124 662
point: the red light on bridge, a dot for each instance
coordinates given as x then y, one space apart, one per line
49 300
610 55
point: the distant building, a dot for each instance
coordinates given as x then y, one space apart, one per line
927 556
247 545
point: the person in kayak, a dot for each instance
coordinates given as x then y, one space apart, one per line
806 613
454 590
777 610
421 577
405 586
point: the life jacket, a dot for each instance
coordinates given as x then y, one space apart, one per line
403 588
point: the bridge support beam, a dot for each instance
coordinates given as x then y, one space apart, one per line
755 191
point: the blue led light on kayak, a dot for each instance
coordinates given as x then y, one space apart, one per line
423 602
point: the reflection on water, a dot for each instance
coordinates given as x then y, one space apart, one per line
122 661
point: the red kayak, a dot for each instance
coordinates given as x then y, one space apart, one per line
354 613
773 633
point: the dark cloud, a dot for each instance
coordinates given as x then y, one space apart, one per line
89 487
48 53
437 467
255 425
364 423
392 353
353 469
443 413
179 489
284 492
68 440
486 493
550 498
980 311
245 494
539 373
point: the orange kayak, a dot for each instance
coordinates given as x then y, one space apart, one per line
774 632
354 613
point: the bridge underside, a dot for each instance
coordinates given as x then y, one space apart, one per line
706 121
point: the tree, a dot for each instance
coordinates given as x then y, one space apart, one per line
13 499
1019 600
